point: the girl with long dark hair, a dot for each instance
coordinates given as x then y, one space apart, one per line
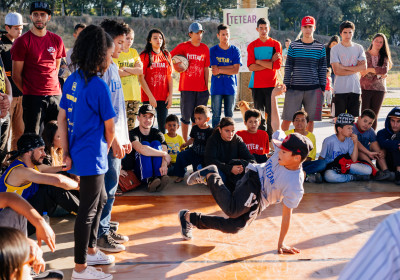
373 79
156 81
86 139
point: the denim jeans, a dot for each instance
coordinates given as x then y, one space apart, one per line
331 176
216 107
314 166
147 167
184 159
111 184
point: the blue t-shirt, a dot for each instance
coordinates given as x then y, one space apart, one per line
87 107
365 138
224 84
332 147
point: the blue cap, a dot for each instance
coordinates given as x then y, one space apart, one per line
195 27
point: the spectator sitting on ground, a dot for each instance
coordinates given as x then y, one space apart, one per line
257 141
149 158
368 147
174 140
389 139
340 151
199 134
228 152
311 167
26 172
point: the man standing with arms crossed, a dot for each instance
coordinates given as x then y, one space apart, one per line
36 59
305 76
264 58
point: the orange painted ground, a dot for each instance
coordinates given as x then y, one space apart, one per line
328 228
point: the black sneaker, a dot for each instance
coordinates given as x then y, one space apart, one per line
114 225
382 175
361 177
397 178
199 177
153 184
118 237
108 244
314 178
186 228
50 275
164 183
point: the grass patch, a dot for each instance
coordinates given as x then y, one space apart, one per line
391 102
393 79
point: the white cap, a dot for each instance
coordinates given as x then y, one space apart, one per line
14 19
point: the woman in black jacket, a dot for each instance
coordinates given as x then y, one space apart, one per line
228 152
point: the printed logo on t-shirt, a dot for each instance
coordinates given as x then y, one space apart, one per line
223 59
195 57
51 50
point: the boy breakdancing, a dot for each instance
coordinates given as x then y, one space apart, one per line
279 179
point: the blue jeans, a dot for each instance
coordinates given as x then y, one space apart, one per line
331 176
184 159
314 166
147 167
216 107
111 184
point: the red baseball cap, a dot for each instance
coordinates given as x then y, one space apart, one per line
308 20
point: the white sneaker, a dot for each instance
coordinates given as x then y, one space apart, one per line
99 258
91 273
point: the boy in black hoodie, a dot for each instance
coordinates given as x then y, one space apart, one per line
389 139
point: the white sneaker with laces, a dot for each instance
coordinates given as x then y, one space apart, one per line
99 258
91 273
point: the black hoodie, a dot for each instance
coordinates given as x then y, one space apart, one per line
387 139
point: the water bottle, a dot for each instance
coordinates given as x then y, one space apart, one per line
46 218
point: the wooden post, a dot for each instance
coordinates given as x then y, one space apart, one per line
244 78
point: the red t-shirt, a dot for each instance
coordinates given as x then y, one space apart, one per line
157 75
257 143
328 83
39 75
263 51
199 58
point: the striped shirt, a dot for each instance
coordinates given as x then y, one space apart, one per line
379 258
305 67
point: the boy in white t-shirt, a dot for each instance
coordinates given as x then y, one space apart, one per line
279 179
340 152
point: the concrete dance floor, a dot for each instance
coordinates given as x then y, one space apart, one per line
328 228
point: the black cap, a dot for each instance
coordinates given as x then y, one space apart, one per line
296 143
147 108
395 112
40 6
345 119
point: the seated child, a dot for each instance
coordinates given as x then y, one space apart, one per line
311 166
174 141
368 147
389 139
340 150
257 141
198 137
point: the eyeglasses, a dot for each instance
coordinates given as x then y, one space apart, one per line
30 262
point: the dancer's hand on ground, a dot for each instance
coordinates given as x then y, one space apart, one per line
45 233
287 250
